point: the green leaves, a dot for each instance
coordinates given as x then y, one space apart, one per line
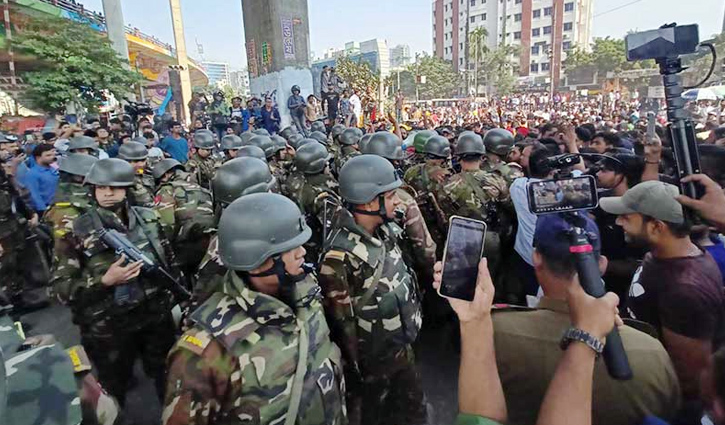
357 74
442 81
75 63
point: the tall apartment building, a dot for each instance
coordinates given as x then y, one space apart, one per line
218 73
239 81
400 56
544 29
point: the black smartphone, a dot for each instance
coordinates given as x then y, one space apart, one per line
463 252
561 195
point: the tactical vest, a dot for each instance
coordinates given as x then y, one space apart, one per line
268 348
387 307
194 210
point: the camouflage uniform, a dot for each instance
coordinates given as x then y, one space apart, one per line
141 194
343 155
115 333
14 213
202 169
418 247
311 198
427 179
45 383
293 183
238 362
374 322
508 173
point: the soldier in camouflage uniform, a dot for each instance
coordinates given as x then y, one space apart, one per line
230 145
202 164
123 313
315 194
336 132
498 143
259 351
348 141
280 160
187 213
372 299
142 192
295 178
427 179
234 179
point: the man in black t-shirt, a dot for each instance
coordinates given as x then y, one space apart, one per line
678 288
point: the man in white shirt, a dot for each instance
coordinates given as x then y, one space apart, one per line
356 105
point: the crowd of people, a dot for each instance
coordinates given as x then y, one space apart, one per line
306 260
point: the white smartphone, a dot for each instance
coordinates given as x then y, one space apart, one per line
463 252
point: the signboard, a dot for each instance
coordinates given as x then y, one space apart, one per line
252 59
288 38
656 92
266 57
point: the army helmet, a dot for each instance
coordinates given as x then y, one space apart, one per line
336 131
312 158
296 88
206 131
437 146
357 131
280 143
287 132
231 142
203 140
385 144
133 151
320 137
257 227
498 141
240 177
82 142
365 177
265 143
295 139
140 139
261 132
318 126
164 166
252 152
364 141
246 136
305 141
77 164
349 137
112 172
420 138
470 143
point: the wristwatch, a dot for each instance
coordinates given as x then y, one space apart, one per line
578 335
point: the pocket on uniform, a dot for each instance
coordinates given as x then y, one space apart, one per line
411 319
329 380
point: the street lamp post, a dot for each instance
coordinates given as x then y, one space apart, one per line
181 58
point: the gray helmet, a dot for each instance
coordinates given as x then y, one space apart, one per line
337 130
239 177
231 142
82 142
295 88
260 132
280 143
259 226
364 141
437 146
287 132
470 143
203 140
312 158
498 141
320 137
265 143
318 126
358 131
295 140
349 137
141 139
133 151
365 177
246 137
164 166
385 144
110 172
77 164
251 151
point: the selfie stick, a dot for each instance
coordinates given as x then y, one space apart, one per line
590 279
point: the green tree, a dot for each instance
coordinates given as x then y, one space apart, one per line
606 55
442 81
357 74
578 57
499 69
700 63
406 83
75 64
477 50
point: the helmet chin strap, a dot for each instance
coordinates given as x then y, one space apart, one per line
381 212
287 282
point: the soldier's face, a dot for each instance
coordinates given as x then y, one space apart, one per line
107 196
392 201
232 153
204 153
293 261
138 165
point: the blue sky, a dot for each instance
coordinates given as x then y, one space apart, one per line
217 24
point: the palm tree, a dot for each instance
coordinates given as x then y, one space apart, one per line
478 49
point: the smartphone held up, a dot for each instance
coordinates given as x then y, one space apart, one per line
562 195
463 252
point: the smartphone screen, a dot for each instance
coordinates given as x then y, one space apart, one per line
463 252
561 195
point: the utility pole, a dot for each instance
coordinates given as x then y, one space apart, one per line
182 60
115 28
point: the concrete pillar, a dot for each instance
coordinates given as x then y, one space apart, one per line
181 59
278 49
115 27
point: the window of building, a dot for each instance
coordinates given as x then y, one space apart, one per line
568 26
536 32
517 17
517 35
548 11
473 19
568 7
545 66
534 67
483 17
517 1
473 2
547 30
446 36
536 13
461 1
460 46
534 50
566 45
446 8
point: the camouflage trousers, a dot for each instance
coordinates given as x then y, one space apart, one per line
113 348
12 277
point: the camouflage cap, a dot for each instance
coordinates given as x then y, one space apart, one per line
112 172
240 177
498 141
82 142
385 144
470 143
265 143
77 164
164 166
320 137
319 126
437 146
133 151
203 140
252 152
259 226
337 130
261 132
364 177
349 137
231 142
312 158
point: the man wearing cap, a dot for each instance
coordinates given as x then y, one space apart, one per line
678 288
528 343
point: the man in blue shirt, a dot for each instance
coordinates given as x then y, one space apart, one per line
42 180
270 117
174 145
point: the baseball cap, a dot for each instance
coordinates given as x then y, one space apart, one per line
651 198
551 236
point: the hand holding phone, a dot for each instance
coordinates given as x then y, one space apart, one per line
462 254
484 291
